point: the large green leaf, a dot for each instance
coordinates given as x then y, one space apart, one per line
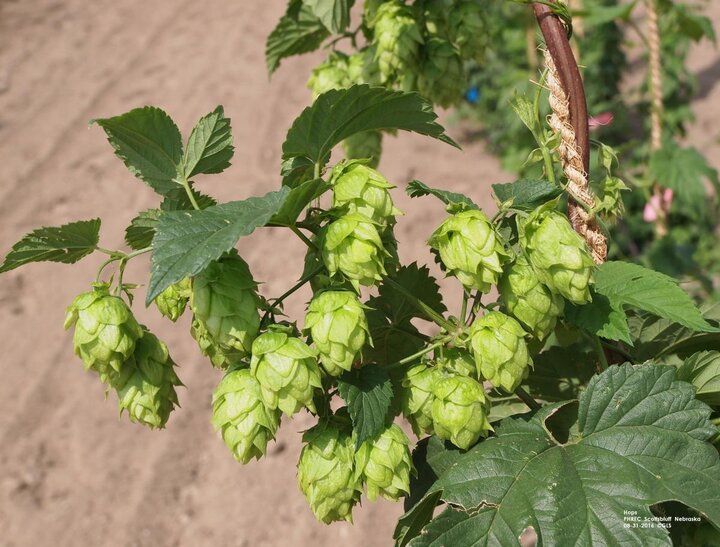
642 441
453 200
702 370
633 285
298 31
560 373
368 394
526 193
149 143
600 317
417 281
186 242
210 146
339 114
68 244
334 14
299 198
139 234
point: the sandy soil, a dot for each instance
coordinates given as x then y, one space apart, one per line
71 473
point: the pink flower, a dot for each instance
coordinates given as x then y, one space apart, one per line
654 206
605 118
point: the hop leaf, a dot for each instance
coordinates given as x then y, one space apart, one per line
364 191
149 394
106 332
459 411
352 246
287 371
442 77
173 300
558 254
242 418
397 39
225 304
470 249
338 326
418 385
326 472
531 302
385 463
500 351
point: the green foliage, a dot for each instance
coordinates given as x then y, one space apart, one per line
455 202
209 147
525 194
368 394
139 234
298 31
334 14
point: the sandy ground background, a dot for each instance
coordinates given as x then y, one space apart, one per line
71 473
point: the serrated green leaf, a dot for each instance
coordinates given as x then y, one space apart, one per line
633 285
299 198
525 109
560 373
340 113
178 200
149 143
186 242
367 391
416 189
67 244
210 146
600 317
391 341
139 234
417 281
642 441
334 14
526 193
298 31
702 370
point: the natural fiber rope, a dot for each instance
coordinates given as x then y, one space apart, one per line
577 181
653 38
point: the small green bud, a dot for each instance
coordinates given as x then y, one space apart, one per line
442 77
242 418
326 472
173 300
501 354
385 463
364 191
338 326
470 249
417 399
558 254
397 39
287 371
352 246
459 411
531 302
149 394
106 332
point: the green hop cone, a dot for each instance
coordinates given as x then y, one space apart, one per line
531 302
457 361
352 246
326 472
338 326
397 39
287 371
106 332
417 398
148 395
364 191
173 300
442 77
558 254
470 249
330 74
500 351
460 410
365 145
468 30
435 15
225 303
385 463
240 415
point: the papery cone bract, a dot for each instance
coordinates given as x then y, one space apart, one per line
363 190
459 410
457 361
417 397
397 39
384 463
172 301
467 29
442 77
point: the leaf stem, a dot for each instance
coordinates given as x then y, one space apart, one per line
600 352
188 190
139 252
276 302
419 304
304 238
526 398
463 310
411 358
617 349
105 265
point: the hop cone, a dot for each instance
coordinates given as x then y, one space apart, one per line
326 472
172 301
470 249
352 246
467 29
457 361
435 15
385 464
531 302
330 74
417 400
106 332
239 413
558 255
364 191
287 371
149 394
363 68
501 354
365 145
397 39
338 326
442 75
225 305
459 411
